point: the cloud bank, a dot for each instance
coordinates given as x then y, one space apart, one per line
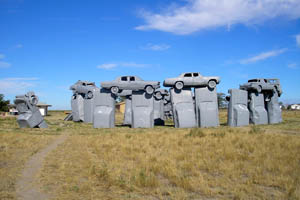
199 15
16 85
109 66
263 56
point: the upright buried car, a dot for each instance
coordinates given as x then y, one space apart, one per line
261 84
193 79
130 83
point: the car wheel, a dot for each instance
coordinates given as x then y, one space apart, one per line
212 84
259 89
179 85
114 89
34 100
158 95
149 89
89 95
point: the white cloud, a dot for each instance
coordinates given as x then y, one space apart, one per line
4 64
2 56
15 86
199 15
298 39
156 47
292 66
109 66
263 56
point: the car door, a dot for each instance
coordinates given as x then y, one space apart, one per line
188 79
133 83
124 82
197 79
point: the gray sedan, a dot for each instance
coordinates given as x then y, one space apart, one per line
193 79
130 83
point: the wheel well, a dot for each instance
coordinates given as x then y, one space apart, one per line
148 85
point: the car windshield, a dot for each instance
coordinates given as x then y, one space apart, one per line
272 81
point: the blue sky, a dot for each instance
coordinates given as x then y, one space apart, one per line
48 45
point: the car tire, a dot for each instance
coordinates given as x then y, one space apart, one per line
158 95
149 89
114 89
259 89
34 100
212 84
89 95
179 85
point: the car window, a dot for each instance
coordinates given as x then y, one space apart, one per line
123 78
265 80
253 80
195 74
132 78
83 84
188 75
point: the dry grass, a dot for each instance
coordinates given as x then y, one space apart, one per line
16 146
254 162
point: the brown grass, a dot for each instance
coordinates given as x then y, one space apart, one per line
254 162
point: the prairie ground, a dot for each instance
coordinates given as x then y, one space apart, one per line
253 162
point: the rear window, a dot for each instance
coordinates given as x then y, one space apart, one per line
195 74
132 78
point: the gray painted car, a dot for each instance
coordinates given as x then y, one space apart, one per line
192 79
262 84
84 87
133 83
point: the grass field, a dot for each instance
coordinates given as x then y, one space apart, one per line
253 162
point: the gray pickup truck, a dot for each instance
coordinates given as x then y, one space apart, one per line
262 84
192 79
133 83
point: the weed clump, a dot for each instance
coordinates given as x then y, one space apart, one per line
195 132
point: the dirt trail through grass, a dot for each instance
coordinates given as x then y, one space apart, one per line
27 187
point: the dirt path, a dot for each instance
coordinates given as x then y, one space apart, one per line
27 187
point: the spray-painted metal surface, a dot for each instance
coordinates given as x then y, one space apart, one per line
77 105
191 79
104 110
183 108
87 90
29 114
128 112
274 110
168 107
133 83
261 85
207 112
258 113
238 113
142 110
159 112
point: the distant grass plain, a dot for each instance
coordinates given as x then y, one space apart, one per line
252 162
